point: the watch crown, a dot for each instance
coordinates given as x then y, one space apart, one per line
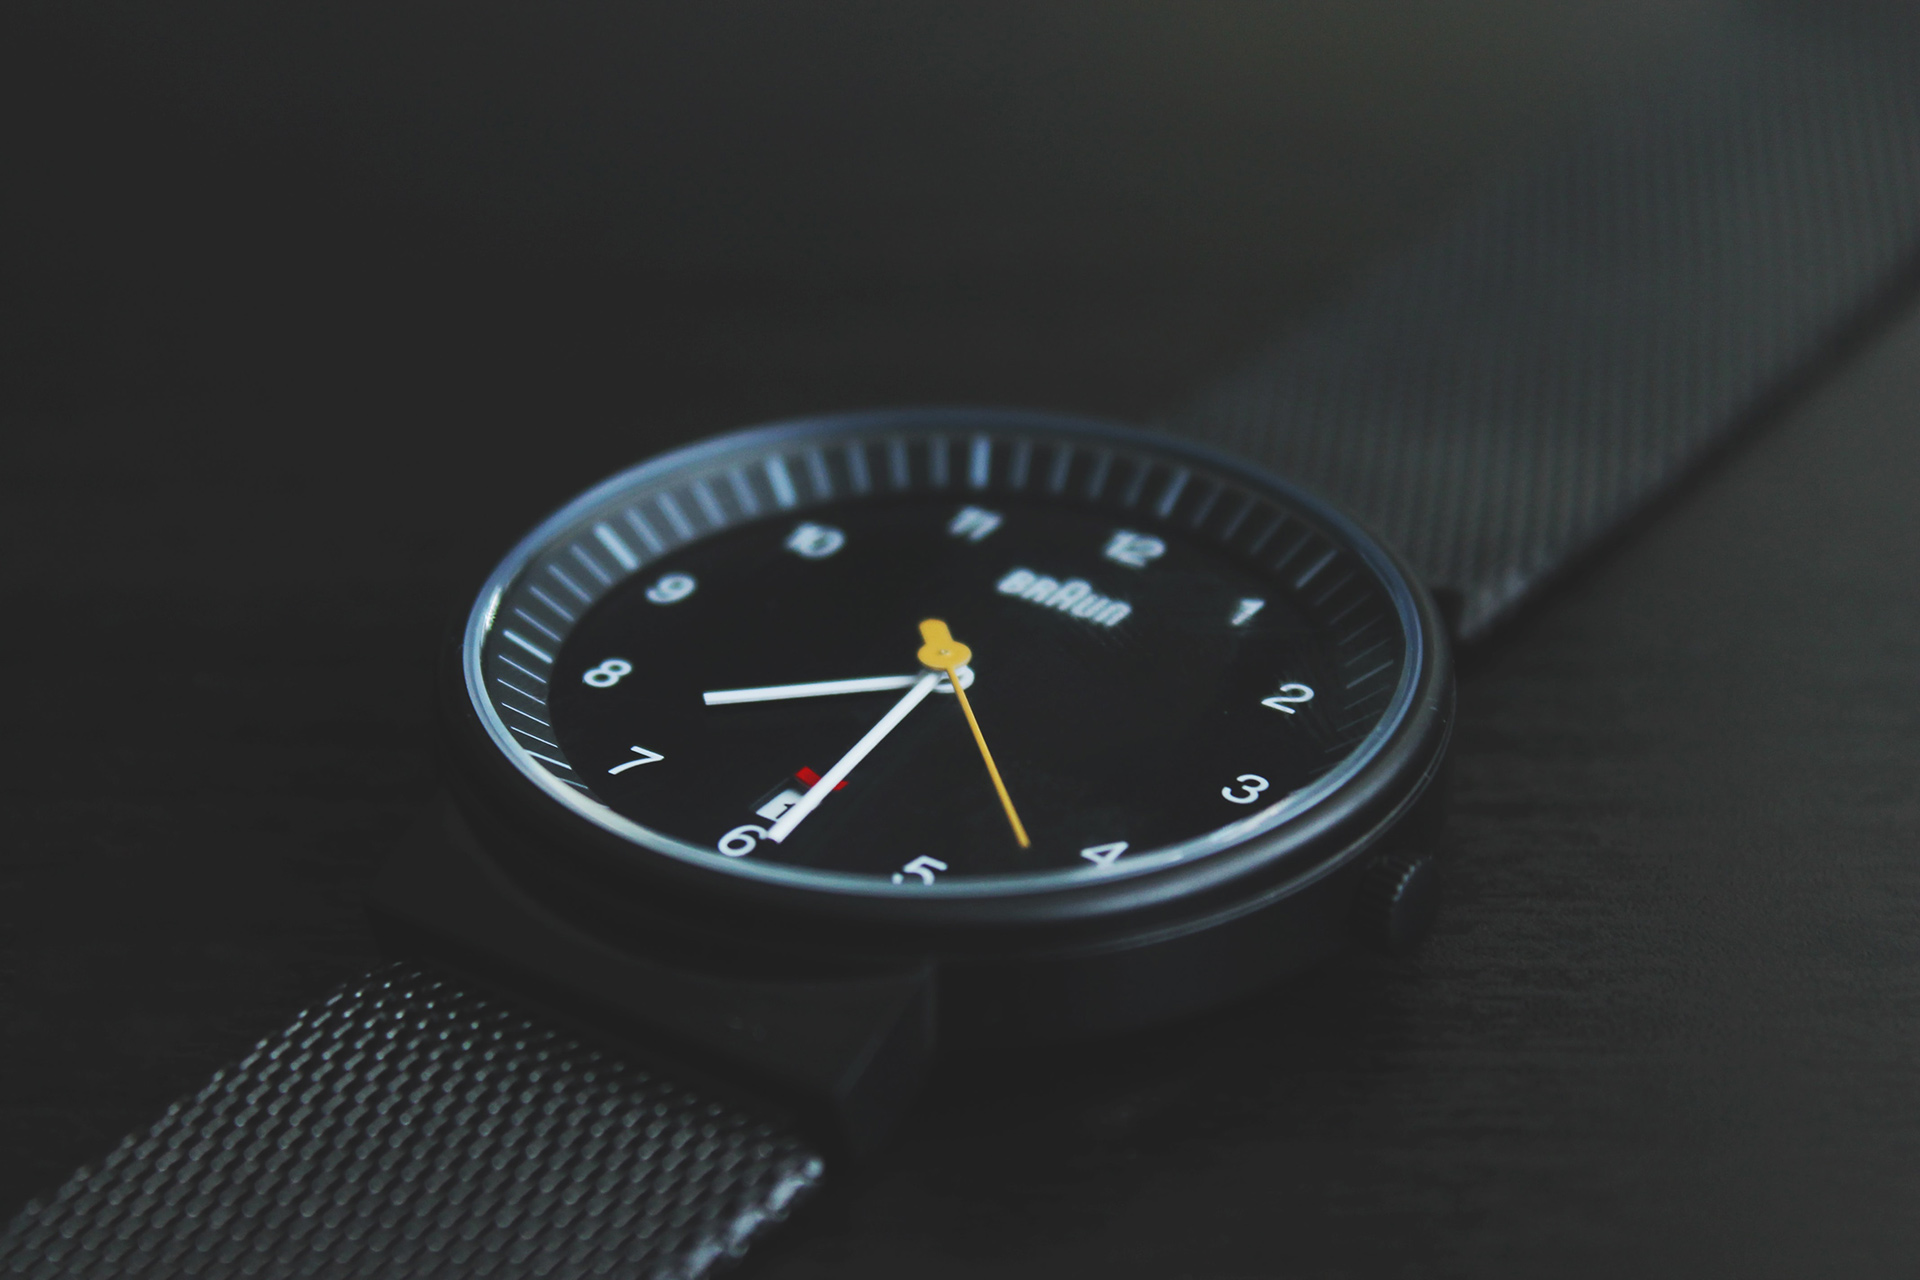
1394 905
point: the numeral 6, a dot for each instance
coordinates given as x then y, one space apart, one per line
741 841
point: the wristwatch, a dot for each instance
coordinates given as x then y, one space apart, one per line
781 763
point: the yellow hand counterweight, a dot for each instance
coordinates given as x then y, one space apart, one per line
942 652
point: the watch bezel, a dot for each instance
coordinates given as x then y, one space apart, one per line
1295 839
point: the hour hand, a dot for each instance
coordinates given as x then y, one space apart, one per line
822 688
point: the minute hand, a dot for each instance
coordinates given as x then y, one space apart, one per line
820 689
844 765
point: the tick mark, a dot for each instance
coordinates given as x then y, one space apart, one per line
529 646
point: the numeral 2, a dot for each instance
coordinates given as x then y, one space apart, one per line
1289 697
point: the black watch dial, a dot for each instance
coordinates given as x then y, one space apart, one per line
745 654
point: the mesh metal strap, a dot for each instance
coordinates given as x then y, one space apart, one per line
1491 404
1497 400
408 1128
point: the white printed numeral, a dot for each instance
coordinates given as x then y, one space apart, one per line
1133 549
1248 607
1103 855
1254 784
974 523
1289 697
672 589
741 841
816 541
607 674
922 866
646 757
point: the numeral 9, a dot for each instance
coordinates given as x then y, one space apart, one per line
674 587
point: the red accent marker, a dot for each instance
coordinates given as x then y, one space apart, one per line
809 777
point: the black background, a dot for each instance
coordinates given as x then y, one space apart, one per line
309 310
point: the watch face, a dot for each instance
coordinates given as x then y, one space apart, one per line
743 654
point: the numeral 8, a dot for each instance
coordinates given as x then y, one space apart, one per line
608 673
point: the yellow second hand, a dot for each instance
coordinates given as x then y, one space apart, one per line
943 653
1006 801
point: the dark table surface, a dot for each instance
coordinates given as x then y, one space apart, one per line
269 410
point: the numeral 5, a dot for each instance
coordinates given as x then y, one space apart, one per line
922 866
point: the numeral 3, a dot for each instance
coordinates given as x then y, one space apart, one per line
1254 784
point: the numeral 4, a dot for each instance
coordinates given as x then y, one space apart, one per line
1103 855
